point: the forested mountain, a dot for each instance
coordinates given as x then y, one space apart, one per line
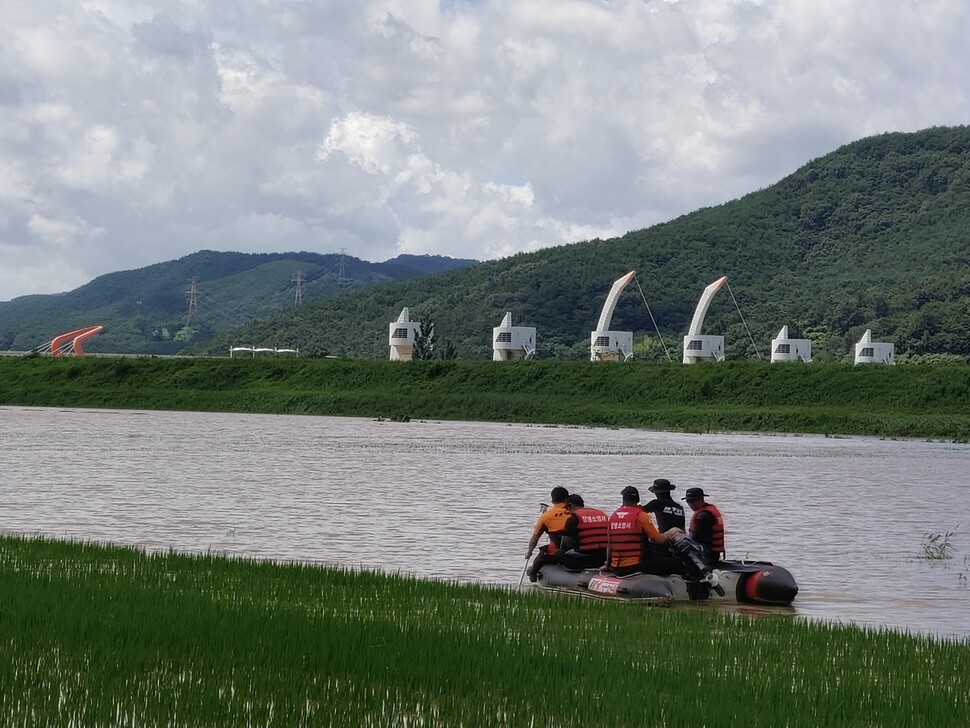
873 235
158 310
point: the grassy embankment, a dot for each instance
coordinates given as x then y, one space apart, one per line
98 636
902 401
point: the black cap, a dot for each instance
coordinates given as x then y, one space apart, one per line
661 485
559 494
630 492
693 493
575 499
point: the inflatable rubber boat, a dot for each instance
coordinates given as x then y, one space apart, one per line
738 582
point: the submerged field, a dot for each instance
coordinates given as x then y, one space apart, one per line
97 636
927 401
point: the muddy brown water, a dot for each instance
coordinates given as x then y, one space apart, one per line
849 517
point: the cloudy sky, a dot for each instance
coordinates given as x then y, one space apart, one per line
138 132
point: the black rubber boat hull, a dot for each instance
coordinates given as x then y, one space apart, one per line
743 582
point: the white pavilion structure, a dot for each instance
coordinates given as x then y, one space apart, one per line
784 348
513 343
401 336
607 345
698 346
868 351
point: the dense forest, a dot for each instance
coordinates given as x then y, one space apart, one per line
872 236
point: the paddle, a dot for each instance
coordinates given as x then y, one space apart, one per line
543 507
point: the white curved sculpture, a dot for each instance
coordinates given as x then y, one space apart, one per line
606 315
701 311
511 343
696 345
606 345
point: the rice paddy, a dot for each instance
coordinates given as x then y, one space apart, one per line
97 635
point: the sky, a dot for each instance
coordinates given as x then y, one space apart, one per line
133 133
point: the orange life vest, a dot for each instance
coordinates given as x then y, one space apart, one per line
717 533
592 529
626 536
553 522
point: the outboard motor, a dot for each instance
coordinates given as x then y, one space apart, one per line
699 566
691 553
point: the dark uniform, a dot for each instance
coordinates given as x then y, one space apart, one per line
668 512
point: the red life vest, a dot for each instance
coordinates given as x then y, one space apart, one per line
626 535
592 529
717 533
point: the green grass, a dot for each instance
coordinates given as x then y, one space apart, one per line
95 635
926 401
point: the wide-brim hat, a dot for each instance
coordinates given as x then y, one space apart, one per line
661 485
693 493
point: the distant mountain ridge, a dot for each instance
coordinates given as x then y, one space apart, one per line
875 235
158 309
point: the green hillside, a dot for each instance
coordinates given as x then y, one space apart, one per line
873 235
146 311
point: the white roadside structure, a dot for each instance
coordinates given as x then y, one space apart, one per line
401 336
784 348
254 350
513 343
606 345
868 351
697 346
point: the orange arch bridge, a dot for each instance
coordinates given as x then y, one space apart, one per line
73 341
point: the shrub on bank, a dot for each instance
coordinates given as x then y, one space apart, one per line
914 401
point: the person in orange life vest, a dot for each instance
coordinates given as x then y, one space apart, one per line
586 537
706 525
629 529
668 512
553 523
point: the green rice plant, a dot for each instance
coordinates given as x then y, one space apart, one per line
937 546
97 635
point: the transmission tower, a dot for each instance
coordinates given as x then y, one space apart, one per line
298 282
341 276
192 296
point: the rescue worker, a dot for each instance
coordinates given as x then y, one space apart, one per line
706 525
668 512
587 536
553 523
630 527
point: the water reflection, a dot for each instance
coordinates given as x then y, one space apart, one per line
847 516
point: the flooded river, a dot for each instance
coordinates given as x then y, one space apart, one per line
848 517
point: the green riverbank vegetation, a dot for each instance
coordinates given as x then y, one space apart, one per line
925 401
97 635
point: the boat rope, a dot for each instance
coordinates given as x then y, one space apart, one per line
745 323
652 319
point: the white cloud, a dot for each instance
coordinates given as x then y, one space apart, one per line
61 232
373 143
134 132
